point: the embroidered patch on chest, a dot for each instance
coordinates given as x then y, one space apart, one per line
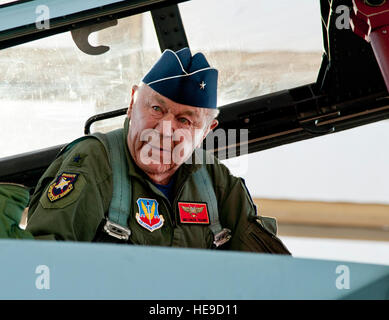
148 216
62 186
193 212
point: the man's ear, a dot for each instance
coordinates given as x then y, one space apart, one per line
133 91
212 126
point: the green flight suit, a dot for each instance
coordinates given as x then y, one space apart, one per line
13 200
78 214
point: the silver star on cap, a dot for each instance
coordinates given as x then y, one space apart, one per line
202 85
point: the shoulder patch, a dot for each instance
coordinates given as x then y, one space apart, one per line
62 186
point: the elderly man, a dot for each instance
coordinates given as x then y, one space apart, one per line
136 185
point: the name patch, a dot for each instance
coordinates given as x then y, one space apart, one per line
193 212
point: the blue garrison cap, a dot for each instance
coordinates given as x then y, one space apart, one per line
184 79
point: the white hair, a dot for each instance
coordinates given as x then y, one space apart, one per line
212 114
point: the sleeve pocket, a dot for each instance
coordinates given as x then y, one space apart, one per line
258 239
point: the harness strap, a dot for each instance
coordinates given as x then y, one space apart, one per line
119 209
116 224
202 179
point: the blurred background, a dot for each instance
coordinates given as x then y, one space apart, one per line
329 194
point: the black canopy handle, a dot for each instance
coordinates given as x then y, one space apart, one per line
80 37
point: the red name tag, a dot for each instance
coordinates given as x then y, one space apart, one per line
193 212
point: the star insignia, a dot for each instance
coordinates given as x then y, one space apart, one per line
77 158
202 85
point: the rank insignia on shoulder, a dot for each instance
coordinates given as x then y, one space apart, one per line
193 212
77 159
62 186
148 216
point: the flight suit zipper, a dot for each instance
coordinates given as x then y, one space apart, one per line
164 200
175 202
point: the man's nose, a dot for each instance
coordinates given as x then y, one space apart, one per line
166 126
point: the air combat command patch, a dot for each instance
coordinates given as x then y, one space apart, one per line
62 186
148 216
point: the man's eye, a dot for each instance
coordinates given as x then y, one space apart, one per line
184 120
156 108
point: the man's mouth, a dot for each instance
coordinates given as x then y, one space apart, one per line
159 148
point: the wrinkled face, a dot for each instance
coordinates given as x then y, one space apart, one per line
163 133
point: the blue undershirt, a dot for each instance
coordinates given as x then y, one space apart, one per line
167 189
